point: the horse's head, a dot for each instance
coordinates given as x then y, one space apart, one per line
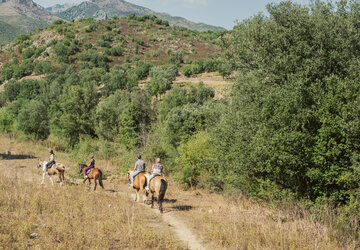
129 175
39 164
81 166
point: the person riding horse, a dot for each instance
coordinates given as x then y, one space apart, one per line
157 170
52 160
139 168
92 165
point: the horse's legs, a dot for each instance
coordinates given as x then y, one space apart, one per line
43 178
136 194
159 204
152 200
52 182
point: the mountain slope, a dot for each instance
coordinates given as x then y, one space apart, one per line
21 16
59 7
103 9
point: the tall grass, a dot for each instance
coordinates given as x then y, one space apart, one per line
41 217
228 223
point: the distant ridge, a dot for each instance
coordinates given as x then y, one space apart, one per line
21 16
103 9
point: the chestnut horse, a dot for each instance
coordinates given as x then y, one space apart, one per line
139 184
55 169
158 185
95 174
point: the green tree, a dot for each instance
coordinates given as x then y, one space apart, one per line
161 79
33 119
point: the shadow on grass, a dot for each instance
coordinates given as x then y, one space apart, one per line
170 200
182 207
9 156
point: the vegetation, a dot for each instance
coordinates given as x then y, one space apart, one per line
32 218
288 132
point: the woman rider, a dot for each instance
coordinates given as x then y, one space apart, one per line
92 165
157 170
52 160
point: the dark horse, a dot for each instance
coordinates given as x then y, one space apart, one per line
94 174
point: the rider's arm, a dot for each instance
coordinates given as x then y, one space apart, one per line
135 167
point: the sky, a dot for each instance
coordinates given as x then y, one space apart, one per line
215 12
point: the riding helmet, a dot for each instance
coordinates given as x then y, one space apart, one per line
51 151
91 156
139 156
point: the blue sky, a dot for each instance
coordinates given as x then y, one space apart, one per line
215 12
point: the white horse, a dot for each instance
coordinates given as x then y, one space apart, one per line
58 169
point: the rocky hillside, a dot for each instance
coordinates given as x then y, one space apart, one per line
103 9
59 7
21 16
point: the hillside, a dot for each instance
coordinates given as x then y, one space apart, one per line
118 40
21 16
59 7
103 9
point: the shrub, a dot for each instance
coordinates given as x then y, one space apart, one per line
161 79
33 119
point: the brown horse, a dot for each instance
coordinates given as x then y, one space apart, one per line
158 185
95 174
58 169
139 184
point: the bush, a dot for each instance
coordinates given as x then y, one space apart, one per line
116 51
7 71
186 70
196 159
33 119
161 79
184 121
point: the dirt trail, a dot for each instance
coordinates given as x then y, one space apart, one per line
183 232
23 166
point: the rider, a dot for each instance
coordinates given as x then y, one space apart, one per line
157 170
92 165
52 160
139 168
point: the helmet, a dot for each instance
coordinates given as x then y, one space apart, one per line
51 151
139 156
91 156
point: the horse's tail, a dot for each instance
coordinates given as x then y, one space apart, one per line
162 189
100 179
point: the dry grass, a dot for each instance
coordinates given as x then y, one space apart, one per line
34 216
245 224
75 217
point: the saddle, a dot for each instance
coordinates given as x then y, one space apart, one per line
88 172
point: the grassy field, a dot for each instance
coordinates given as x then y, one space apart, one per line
49 217
35 216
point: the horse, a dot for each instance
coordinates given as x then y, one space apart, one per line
95 174
158 185
139 184
58 169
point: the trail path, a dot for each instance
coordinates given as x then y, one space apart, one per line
23 166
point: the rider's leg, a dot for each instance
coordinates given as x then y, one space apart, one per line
47 165
85 171
150 178
133 177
